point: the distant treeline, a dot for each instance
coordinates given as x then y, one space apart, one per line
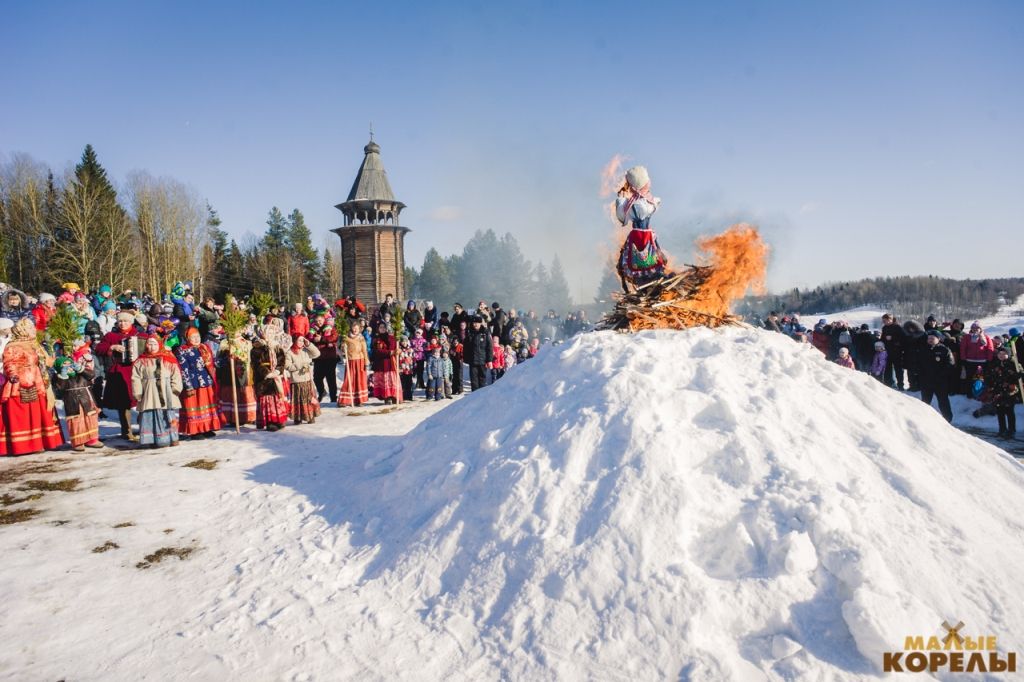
906 297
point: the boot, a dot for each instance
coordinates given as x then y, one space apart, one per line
126 426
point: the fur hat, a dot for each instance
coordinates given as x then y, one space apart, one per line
637 177
125 317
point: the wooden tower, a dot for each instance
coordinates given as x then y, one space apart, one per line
372 241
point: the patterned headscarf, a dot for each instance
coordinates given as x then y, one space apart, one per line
24 330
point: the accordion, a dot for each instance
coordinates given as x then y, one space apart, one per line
134 346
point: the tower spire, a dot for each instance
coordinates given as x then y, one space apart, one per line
371 131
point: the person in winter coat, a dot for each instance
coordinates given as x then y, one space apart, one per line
44 311
413 318
119 349
199 417
419 351
498 359
298 322
459 315
843 358
915 348
435 374
771 323
73 383
863 348
936 372
976 350
892 337
156 387
479 354
821 336
1003 378
499 319
354 391
325 368
299 361
14 305
455 355
446 373
878 363
430 317
406 367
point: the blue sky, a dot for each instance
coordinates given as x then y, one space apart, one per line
865 138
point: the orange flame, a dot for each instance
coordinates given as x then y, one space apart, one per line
739 259
611 175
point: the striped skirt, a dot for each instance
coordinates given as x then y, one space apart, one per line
354 389
246 405
199 412
305 405
158 427
84 428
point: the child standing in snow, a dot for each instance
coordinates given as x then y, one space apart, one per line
435 374
878 362
447 373
498 364
844 359
510 358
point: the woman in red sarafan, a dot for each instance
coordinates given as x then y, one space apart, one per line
27 401
353 388
200 414
641 260
268 367
386 384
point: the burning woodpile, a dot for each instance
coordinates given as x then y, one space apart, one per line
699 295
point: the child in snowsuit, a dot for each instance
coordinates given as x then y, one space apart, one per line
435 374
844 359
878 362
447 373
1003 379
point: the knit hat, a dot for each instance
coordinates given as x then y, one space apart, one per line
879 345
637 177
70 286
6 323
105 289
1014 332
43 297
125 317
142 319
936 333
975 325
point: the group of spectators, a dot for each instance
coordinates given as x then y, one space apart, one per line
174 363
937 359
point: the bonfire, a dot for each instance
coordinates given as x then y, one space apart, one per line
657 297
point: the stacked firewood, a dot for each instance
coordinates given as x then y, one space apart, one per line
676 301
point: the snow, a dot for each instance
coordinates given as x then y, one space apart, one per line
1008 316
670 505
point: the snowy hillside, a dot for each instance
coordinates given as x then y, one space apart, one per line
1010 315
697 505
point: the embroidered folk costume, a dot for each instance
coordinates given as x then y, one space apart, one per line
354 390
30 421
199 411
156 387
73 381
641 260
268 366
241 350
305 406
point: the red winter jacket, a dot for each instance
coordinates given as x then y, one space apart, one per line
298 325
979 350
42 316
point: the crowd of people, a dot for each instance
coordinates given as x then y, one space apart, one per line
177 368
937 359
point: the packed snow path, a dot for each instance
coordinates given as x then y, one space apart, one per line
695 505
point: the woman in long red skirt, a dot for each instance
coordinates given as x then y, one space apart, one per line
200 416
30 420
386 384
353 389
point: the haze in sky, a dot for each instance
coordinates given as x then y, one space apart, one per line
867 138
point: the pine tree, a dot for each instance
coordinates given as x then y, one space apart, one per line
412 278
218 256
435 282
300 245
558 289
231 273
475 277
276 235
327 284
610 284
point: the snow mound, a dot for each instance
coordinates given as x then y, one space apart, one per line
680 505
